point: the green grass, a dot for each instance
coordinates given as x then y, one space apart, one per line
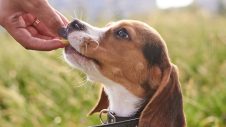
38 89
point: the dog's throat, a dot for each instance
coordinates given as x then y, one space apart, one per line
122 102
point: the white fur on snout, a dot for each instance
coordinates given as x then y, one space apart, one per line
76 38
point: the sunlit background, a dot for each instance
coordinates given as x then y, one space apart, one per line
164 4
96 10
38 89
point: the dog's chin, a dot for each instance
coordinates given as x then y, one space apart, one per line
78 60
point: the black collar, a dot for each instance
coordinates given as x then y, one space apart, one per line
126 123
116 121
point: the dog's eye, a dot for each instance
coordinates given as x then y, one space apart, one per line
122 33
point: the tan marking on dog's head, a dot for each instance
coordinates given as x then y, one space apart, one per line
121 57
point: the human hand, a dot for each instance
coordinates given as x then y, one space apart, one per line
18 18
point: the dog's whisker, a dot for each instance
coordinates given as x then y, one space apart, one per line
82 83
75 15
86 47
72 17
61 57
81 15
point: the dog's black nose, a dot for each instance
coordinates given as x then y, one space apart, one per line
76 25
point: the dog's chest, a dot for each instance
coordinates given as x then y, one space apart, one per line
121 101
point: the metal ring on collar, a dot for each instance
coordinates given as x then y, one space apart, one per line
106 111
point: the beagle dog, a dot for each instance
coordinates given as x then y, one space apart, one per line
131 60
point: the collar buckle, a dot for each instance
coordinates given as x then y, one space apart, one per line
110 116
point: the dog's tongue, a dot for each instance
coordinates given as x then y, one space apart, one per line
63 33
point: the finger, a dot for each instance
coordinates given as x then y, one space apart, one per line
25 38
46 14
36 34
41 27
45 45
28 19
64 19
43 37
61 32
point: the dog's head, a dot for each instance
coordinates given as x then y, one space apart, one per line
135 56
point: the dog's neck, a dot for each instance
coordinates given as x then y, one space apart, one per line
122 102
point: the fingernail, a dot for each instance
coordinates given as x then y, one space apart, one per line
64 41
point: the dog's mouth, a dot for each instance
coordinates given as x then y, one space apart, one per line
69 50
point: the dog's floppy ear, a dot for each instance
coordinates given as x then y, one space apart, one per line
165 107
102 103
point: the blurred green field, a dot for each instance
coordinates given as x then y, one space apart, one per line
38 89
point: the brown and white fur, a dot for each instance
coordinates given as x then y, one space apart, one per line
131 60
